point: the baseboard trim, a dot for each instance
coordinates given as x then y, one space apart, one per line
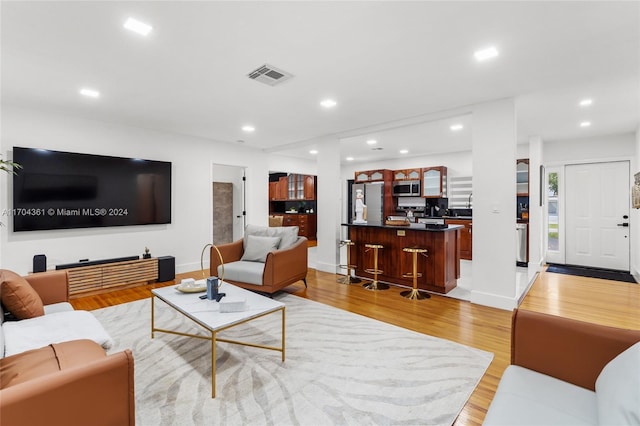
493 300
331 268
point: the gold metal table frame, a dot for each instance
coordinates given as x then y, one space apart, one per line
214 339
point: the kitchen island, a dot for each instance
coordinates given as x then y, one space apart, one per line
440 269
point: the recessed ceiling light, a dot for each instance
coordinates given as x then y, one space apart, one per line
585 124
90 93
484 54
248 128
456 127
586 102
404 151
349 158
328 103
313 151
372 142
138 27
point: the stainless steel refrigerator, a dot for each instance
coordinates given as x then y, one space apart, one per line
373 199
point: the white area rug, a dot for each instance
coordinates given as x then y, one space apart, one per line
340 369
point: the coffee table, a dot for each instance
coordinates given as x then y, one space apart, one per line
206 313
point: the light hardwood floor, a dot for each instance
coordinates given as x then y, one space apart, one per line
600 301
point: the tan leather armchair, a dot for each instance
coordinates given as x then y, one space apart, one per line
281 267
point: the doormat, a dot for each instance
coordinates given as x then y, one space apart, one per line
582 271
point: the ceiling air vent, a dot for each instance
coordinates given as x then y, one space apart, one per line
270 75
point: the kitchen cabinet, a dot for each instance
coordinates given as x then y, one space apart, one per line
434 182
309 187
273 190
307 224
407 174
282 188
522 177
374 176
300 187
466 238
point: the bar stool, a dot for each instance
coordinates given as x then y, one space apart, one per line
348 279
414 294
374 285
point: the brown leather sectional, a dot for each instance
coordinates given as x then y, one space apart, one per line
569 350
69 383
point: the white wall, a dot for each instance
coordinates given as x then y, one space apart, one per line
601 148
284 164
191 190
494 190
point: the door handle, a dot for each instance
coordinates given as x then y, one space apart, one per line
623 224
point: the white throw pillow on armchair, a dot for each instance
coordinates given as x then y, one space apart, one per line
258 248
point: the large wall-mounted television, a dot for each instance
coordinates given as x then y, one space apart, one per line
64 190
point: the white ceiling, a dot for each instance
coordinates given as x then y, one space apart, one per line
387 64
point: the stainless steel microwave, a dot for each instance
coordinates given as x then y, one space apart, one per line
406 188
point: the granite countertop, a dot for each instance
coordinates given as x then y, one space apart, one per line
412 226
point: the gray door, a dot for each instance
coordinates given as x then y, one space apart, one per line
222 212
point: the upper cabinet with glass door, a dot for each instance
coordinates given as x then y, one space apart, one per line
434 182
522 177
301 187
373 176
406 174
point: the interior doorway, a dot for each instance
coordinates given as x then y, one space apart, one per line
228 203
597 215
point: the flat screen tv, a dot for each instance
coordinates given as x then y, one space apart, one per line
64 190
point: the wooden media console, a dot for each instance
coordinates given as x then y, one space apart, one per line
103 277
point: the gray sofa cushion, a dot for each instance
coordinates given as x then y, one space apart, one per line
288 234
525 397
243 271
618 389
258 247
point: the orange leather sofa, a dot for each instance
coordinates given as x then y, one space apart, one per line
70 383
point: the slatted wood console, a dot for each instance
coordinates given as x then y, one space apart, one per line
104 277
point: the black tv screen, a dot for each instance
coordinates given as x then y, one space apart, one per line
64 190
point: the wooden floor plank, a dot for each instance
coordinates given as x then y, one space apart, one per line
587 299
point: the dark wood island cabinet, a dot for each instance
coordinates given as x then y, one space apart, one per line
440 270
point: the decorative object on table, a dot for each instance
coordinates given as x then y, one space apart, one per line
213 283
190 285
635 192
146 254
360 207
232 305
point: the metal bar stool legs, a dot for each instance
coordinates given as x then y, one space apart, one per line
348 279
414 294
374 285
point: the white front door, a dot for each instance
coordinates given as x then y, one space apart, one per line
597 205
